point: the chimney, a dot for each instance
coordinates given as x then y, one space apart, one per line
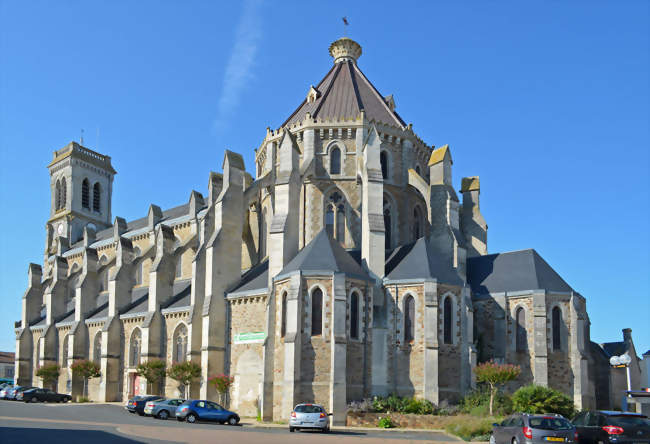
627 334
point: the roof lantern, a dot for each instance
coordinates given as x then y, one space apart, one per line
345 49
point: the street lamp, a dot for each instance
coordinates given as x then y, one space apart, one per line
622 361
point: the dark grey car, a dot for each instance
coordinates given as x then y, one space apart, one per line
162 408
525 428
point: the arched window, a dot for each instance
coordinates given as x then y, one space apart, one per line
329 221
180 343
409 319
64 352
283 325
335 216
57 195
447 319
316 312
383 158
521 338
179 266
354 315
85 194
64 192
96 194
335 161
417 223
262 247
387 225
557 322
97 348
135 344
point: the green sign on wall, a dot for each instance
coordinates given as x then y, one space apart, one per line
250 337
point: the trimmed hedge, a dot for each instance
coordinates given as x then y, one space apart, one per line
538 399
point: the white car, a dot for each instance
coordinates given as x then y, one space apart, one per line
309 417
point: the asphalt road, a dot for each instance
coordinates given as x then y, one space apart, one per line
103 423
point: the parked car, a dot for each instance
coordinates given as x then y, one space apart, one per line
137 403
15 390
309 416
604 427
4 390
196 410
163 408
531 428
42 395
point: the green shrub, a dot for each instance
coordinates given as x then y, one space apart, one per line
394 403
385 423
469 428
477 402
83 399
538 399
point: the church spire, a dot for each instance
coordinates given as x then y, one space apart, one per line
345 49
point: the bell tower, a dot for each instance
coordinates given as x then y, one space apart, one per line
81 184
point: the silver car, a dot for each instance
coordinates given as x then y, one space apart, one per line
309 417
162 408
527 428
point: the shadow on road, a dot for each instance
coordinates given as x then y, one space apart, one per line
334 432
16 435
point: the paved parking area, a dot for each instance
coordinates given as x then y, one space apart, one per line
103 423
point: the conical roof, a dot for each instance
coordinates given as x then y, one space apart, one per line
324 254
345 91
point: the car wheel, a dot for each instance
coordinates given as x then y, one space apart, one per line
514 441
232 421
292 429
34 399
492 440
191 418
163 414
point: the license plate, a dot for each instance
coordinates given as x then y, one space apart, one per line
554 439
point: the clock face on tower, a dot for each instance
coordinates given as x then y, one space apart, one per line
59 229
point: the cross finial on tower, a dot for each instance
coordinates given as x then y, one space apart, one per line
81 142
345 26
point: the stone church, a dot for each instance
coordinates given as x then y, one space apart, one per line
349 266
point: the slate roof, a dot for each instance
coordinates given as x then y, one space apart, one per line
419 261
615 348
513 271
169 214
324 254
255 278
100 313
343 93
182 292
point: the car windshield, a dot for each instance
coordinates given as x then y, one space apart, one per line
629 420
309 409
549 423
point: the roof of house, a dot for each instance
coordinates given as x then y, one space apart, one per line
615 348
342 94
513 271
7 357
182 293
419 261
324 253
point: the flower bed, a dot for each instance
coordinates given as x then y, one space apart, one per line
409 421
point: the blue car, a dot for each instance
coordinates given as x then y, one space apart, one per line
196 410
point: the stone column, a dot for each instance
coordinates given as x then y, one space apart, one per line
32 300
372 219
577 353
540 347
431 381
500 338
292 346
472 222
223 269
465 340
338 354
55 306
120 283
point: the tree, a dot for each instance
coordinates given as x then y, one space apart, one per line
222 383
184 373
49 374
495 375
87 370
538 399
153 371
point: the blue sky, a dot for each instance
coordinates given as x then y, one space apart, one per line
547 101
